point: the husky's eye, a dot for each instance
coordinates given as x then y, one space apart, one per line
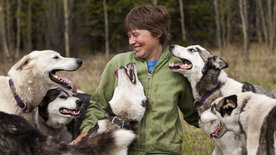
192 50
63 97
56 57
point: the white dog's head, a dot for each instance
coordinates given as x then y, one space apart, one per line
227 111
59 107
128 101
41 66
196 61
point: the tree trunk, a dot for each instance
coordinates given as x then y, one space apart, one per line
218 27
18 28
258 26
66 28
3 33
29 27
271 25
181 9
106 28
244 16
263 22
228 22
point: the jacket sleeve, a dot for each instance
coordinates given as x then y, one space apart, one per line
186 106
100 98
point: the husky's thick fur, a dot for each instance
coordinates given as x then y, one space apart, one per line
127 106
18 136
57 109
30 78
247 113
209 81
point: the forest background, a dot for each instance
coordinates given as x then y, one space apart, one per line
242 32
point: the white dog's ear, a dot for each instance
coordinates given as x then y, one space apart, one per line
23 62
227 105
217 63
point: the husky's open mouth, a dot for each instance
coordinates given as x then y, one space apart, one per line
62 80
72 112
186 65
129 70
218 132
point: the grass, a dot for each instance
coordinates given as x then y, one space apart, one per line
260 69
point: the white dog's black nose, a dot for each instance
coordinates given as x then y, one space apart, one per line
79 62
171 47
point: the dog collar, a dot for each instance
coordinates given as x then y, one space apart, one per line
199 103
18 100
120 123
242 110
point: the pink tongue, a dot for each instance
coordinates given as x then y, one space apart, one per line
116 73
69 83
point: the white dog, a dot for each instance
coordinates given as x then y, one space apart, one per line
246 113
126 108
209 82
30 78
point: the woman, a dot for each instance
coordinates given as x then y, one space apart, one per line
160 131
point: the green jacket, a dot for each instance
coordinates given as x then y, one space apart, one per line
160 131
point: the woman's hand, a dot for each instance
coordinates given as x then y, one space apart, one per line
78 139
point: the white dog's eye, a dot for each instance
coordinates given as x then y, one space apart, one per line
63 97
56 57
192 50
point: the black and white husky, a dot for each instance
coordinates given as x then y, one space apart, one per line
209 82
18 136
247 113
127 106
58 108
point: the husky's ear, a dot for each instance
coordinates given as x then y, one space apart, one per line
227 105
22 62
217 63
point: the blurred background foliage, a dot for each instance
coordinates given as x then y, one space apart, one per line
39 24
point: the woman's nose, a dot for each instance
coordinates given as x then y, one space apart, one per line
131 40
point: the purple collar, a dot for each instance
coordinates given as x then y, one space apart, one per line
242 110
20 103
200 102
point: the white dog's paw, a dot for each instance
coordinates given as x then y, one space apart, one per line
123 138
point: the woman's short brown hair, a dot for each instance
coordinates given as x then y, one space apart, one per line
155 19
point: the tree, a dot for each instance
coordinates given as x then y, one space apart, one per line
181 9
245 26
3 33
218 27
18 28
106 28
66 27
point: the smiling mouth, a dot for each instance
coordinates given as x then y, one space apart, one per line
71 112
62 80
216 132
129 70
186 65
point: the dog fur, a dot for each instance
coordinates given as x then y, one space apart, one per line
57 109
209 81
32 77
246 113
127 106
18 136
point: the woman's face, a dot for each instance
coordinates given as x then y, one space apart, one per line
144 44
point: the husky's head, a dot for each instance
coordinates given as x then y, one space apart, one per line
196 61
41 66
59 107
129 101
226 111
